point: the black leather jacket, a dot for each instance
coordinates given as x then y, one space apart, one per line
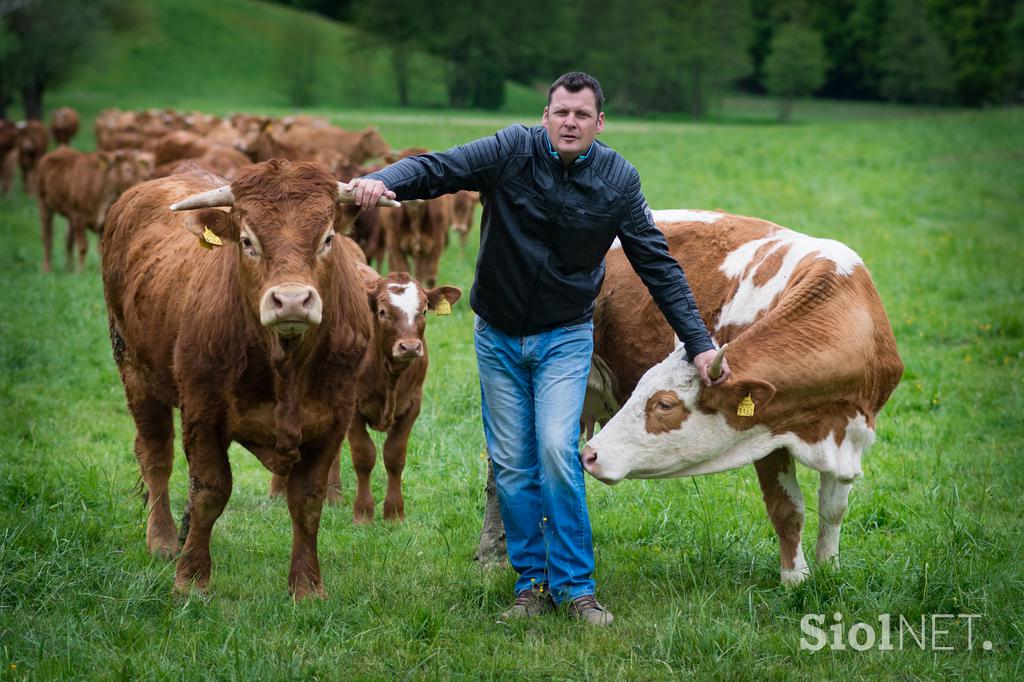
546 229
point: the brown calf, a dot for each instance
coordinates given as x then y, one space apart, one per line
390 387
257 341
64 124
81 187
31 143
463 207
417 231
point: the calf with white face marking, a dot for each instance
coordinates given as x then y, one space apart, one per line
813 361
390 387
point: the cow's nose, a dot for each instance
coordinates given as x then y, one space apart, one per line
409 348
589 457
288 303
291 303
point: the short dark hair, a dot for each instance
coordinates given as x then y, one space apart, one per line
574 81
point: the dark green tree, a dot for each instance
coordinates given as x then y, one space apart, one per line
1015 55
914 63
795 66
53 38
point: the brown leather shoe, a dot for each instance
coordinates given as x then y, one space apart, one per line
531 602
587 608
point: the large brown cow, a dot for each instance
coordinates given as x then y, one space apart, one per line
31 143
64 124
257 341
81 187
813 361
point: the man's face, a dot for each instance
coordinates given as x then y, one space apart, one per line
572 121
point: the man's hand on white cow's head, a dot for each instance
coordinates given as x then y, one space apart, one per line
369 192
703 360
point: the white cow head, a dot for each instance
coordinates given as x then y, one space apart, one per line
672 425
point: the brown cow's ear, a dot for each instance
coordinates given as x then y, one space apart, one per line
220 222
450 294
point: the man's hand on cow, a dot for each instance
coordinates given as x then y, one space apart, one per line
368 192
703 361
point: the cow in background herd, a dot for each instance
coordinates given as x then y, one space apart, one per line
64 124
81 187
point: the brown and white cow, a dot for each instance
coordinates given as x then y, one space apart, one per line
64 124
82 187
813 361
390 387
463 207
257 341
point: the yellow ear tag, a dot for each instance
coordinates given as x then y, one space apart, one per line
209 239
443 308
745 408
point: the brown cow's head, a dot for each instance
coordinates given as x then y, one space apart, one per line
124 168
463 206
249 129
399 305
282 223
373 145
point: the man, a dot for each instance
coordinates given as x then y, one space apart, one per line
554 201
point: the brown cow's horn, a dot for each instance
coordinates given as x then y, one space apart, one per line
347 196
715 368
221 196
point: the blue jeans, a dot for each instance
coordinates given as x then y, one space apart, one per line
532 391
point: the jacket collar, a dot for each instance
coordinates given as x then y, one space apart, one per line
549 151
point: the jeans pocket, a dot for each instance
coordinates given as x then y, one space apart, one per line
480 324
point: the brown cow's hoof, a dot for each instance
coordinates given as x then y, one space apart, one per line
185 586
362 519
164 549
162 542
307 591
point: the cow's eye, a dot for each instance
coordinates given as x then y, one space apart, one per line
248 247
382 314
327 243
665 404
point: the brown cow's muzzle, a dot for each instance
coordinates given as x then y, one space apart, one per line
289 309
407 350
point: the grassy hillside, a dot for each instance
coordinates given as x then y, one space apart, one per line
690 567
187 53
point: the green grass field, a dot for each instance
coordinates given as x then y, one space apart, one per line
933 204
932 201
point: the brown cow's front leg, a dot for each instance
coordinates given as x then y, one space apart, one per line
334 480
785 504
364 456
307 485
154 449
209 490
81 242
394 461
46 232
69 246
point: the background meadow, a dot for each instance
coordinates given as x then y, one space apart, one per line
932 201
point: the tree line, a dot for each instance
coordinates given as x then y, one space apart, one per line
671 55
